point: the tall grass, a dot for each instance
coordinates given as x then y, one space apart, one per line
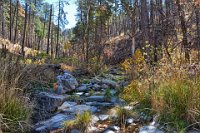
14 108
177 100
171 90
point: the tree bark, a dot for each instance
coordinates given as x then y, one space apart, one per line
198 30
16 22
43 39
10 37
24 31
49 30
184 31
86 36
58 31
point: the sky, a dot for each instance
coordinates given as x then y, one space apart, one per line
71 12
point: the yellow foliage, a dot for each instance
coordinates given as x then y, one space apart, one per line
136 66
131 92
127 64
67 45
138 57
138 61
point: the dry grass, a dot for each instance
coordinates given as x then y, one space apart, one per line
16 48
15 109
16 78
36 76
176 98
171 90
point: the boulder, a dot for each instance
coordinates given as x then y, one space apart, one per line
49 101
46 104
52 124
67 81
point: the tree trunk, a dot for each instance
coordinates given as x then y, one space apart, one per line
52 43
2 20
133 46
16 23
58 31
38 46
52 39
29 28
86 38
184 31
49 30
10 37
198 31
43 39
144 18
24 32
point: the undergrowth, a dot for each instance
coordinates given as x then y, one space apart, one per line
15 109
171 90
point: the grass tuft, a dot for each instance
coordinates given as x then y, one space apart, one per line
81 123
